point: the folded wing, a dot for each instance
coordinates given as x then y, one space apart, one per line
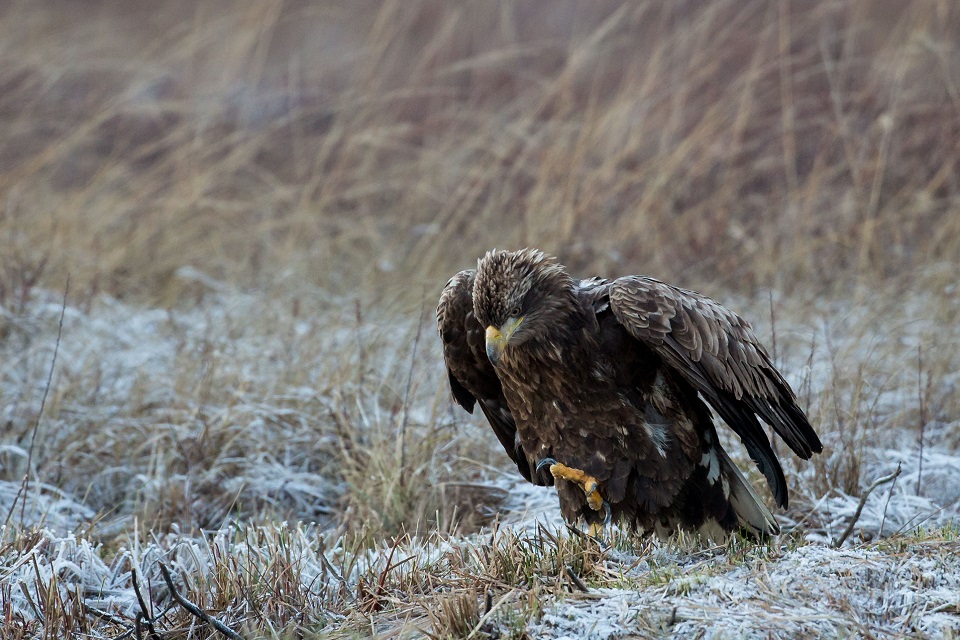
472 377
719 354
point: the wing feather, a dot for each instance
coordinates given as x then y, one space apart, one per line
718 352
472 378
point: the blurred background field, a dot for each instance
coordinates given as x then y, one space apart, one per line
749 144
257 205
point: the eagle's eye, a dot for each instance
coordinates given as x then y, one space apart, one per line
515 312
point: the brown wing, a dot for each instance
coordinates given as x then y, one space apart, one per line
718 352
472 377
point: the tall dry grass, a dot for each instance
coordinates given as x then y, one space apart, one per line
741 144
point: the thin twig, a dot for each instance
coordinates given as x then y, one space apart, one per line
137 625
490 612
336 574
883 519
406 394
194 609
126 634
863 500
673 618
923 414
576 580
36 425
107 616
143 615
26 594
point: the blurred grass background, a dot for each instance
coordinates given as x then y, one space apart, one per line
802 145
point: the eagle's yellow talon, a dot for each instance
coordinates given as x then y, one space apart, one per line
594 501
589 484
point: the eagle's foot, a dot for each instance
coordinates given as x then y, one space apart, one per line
587 482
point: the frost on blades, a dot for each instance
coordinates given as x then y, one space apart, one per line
135 381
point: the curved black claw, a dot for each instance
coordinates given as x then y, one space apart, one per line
545 462
607 514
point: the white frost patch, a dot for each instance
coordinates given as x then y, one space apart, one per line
814 591
607 616
528 505
41 505
895 507
936 476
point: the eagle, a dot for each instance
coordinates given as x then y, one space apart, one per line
603 388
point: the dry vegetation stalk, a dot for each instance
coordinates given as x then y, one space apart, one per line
25 485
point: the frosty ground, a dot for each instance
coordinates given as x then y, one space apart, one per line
301 470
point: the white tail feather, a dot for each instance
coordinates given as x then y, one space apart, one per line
752 513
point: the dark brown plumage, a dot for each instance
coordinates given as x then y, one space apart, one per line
613 378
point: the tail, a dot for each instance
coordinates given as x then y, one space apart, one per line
752 514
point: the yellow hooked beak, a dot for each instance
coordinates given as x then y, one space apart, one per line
497 339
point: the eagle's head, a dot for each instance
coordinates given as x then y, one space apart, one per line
520 295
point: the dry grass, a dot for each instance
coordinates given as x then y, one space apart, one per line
803 144
257 206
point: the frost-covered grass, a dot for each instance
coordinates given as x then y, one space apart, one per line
257 205
299 480
195 418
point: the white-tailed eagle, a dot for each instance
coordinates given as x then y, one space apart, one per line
602 388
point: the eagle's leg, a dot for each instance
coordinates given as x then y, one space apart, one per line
587 482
